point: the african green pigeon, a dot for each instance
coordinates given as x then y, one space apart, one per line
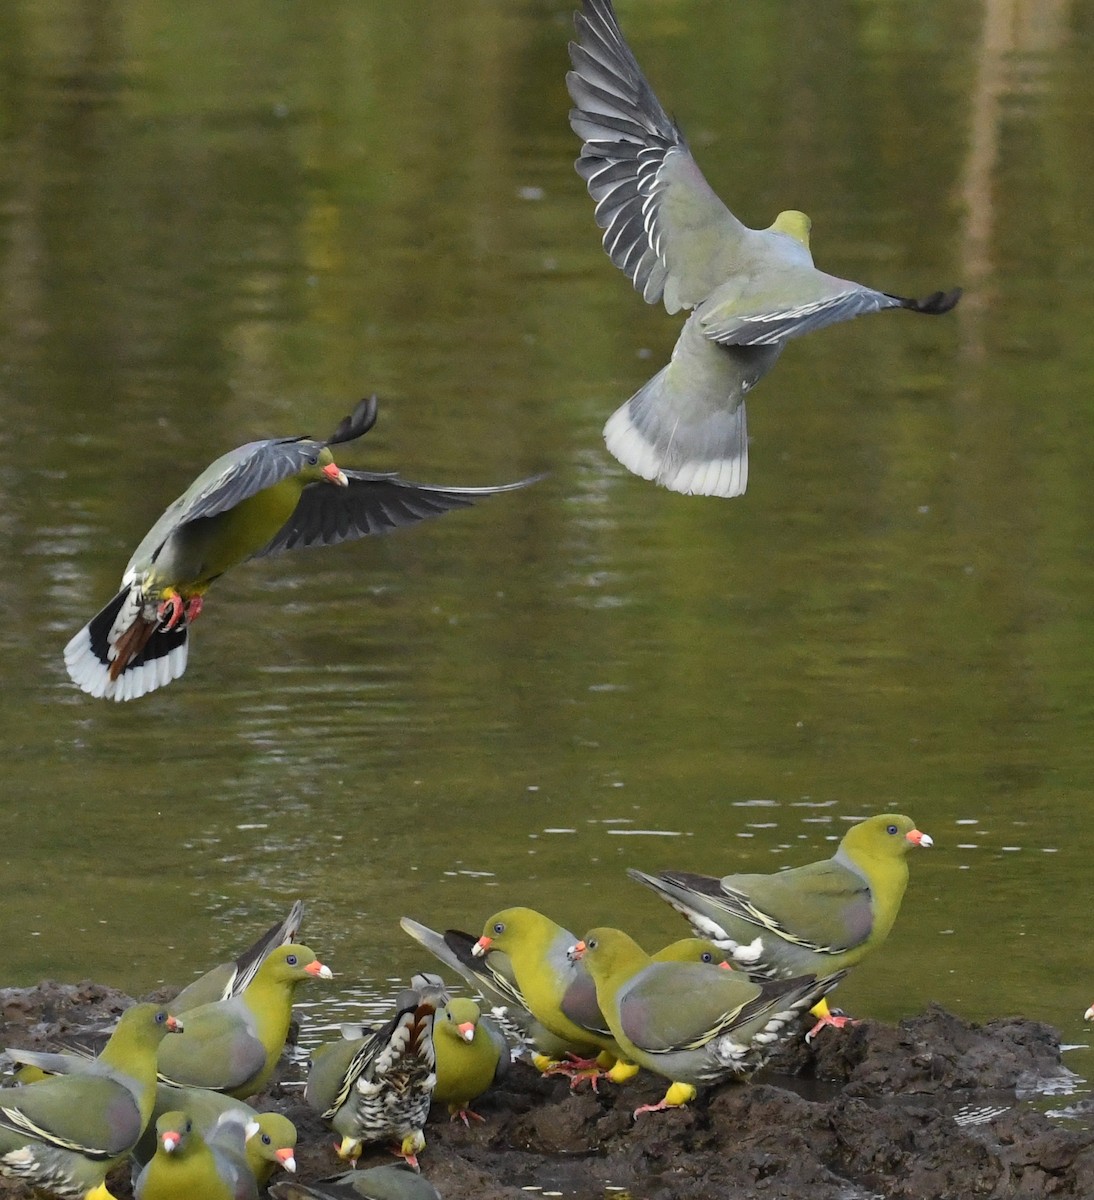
66 1133
748 289
256 500
819 918
692 1023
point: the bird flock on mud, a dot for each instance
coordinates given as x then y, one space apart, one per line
167 1091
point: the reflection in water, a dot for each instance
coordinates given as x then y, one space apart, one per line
218 224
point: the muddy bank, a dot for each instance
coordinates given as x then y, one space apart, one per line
923 1111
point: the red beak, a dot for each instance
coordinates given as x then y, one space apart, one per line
481 946
334 475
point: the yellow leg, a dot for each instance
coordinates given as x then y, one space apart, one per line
820 1010
349 1150
543 1062
677 1096
622 1071
99 1193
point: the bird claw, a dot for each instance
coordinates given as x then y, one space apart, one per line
837 1020
411 1160
467 1115
590 1076
171 611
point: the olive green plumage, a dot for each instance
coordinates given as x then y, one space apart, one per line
257 500
695 1024
377 1183
815 919
472 1055
187 1166
65 1133
233 1045
271 1137
749 289
556 989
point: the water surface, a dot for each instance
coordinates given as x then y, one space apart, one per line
219 224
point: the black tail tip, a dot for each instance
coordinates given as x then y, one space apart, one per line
359 422
936 303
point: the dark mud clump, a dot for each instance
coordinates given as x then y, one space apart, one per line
926 1110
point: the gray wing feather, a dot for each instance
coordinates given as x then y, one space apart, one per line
767 328
371 504
663 225
233 477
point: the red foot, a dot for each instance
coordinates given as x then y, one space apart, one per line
467 1115
572 1065
193 609
411 1160
171 611
660 1106
836 1020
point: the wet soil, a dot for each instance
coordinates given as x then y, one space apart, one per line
927 1110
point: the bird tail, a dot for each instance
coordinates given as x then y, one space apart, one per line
120 654
654 438
933 305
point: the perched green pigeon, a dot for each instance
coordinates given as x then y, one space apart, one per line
748 290
256 500
557 990
492 976
270 1141
229 979
377 1183
377 1087
472 1055
692 1023
819 918
190 1166
64 1135
233 1045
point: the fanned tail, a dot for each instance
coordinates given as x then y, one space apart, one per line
120 654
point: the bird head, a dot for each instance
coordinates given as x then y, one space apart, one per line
605 951
888 835
513 928
796 224
289 965
459 1018
172 1130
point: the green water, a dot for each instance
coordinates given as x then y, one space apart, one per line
224 223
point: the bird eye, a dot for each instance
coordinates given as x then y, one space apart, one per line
266 1139
590 944
313 459
890 829
707 956
291 959
499 927
161 1016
